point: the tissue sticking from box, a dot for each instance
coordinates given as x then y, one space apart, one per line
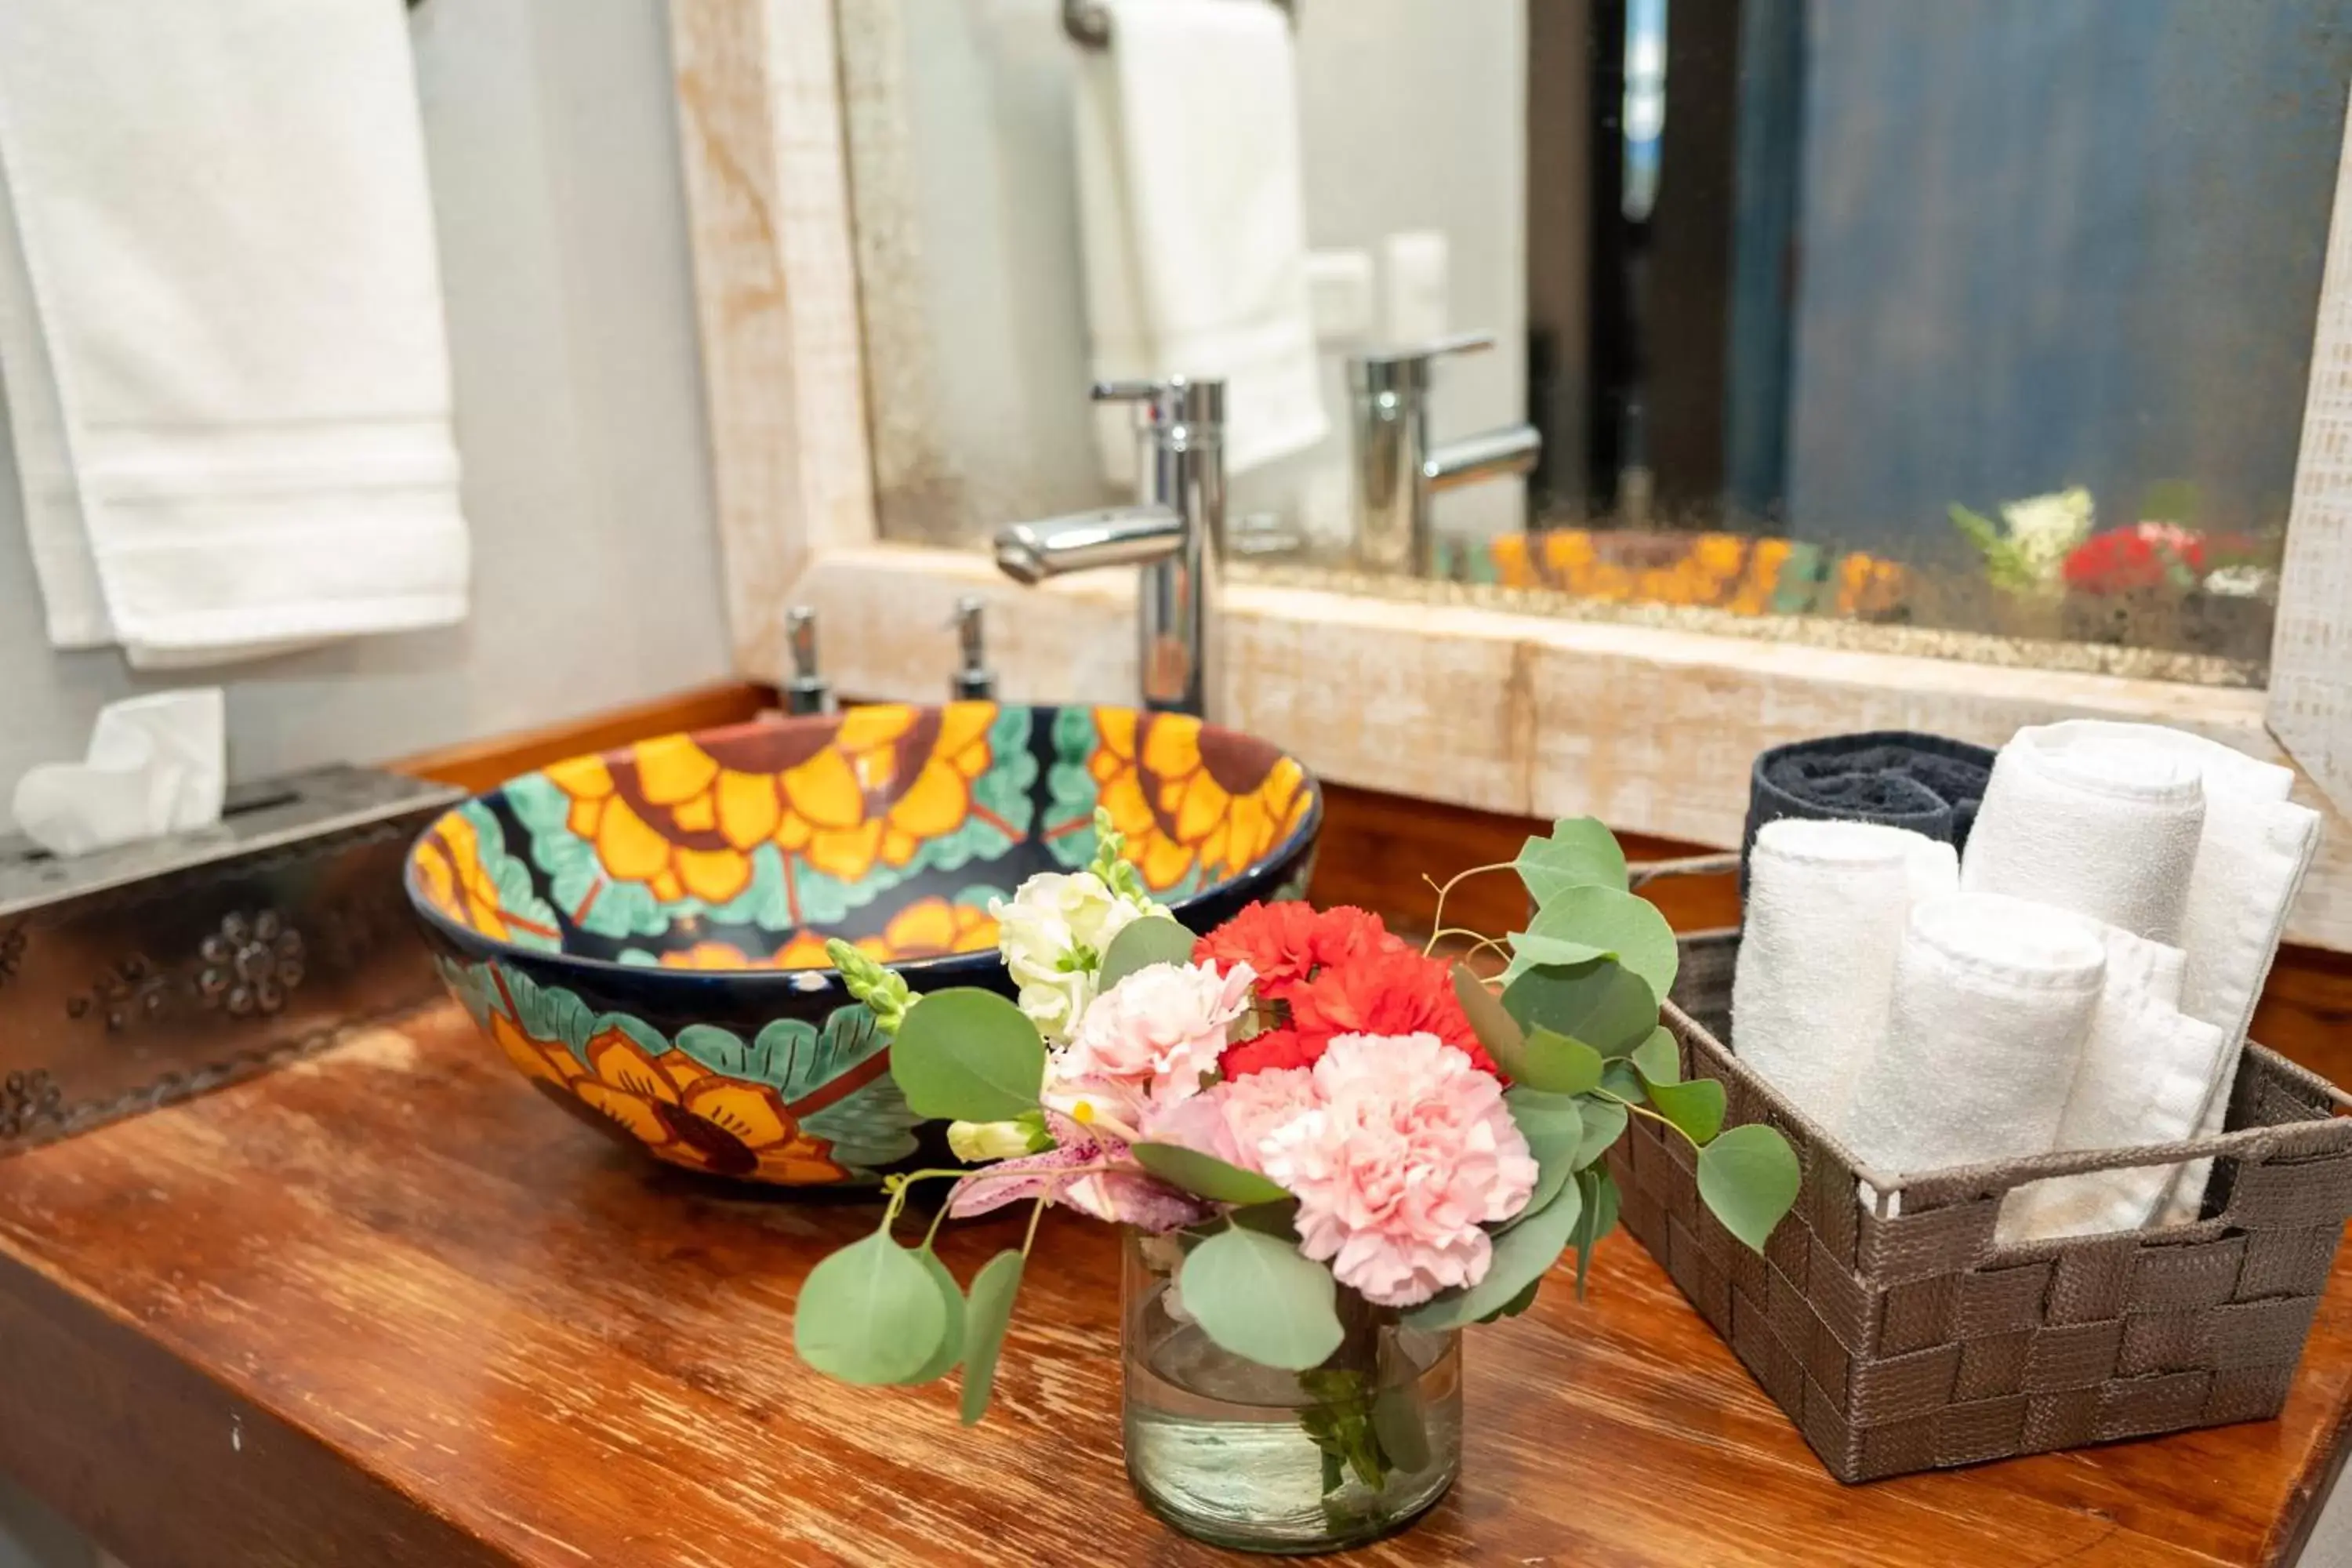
156 765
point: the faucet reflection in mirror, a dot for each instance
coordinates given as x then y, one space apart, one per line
1397 472
1172 533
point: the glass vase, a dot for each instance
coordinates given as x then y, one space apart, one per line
1260 1459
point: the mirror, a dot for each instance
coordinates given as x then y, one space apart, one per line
1979 329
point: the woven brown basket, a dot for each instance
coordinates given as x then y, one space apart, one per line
1908 1340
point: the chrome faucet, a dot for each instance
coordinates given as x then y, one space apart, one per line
1173 533
1397 471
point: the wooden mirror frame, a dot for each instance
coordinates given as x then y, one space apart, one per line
1651 730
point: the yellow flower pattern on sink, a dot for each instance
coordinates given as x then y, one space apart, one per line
683 817
1196 804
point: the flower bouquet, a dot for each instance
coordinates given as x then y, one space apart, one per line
1330 1152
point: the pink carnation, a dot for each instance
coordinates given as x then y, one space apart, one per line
1147 1043
1409 1152
1232 1120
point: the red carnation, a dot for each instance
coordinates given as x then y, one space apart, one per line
1273 1049
1286 944
1393 992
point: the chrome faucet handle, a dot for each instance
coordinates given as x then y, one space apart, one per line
1194 403
1422 353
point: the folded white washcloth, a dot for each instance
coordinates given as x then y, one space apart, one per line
2141 1080
220 318
1992 1004
2081 822
2253 848
1827 906
1193 216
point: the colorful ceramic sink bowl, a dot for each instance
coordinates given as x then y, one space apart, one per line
643 932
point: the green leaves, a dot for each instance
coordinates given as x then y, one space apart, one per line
1603 1003
1155 938
1749 1177
1495 1028
1205 1176
968 1055
1695 1106
1555 1063
950 1345
1553 1125
1522 1254
1596 1220
1656 1058
1603 921
869 1313
1258 1298
985 1321
1578 852
1604 1121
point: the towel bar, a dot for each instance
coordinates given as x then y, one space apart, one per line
1088 24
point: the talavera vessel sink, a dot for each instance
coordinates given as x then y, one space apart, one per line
643 932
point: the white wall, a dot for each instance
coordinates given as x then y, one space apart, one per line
1412 117
564 254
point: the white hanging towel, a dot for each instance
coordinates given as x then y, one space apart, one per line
220 325
1992 1004
1193 217
1828 904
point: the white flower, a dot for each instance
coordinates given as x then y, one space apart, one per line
2045 527
1052 934
978 1143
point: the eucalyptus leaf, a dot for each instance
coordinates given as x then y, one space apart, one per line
1205 1176
1522 1254
968 1055
1695 1106
1400 1418
1749 1177
1277 1220
1602 1003
1495 1028
869 1313
1258 1298
1657 1059
1553 1125
1555 1063
1516 1304
1578 852
1625 1082
990 1309
1608 920
951 1347
1529 950
1139 945
1598 1218
1605 1122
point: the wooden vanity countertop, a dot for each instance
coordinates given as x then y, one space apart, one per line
389 1306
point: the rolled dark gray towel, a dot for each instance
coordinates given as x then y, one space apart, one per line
1927 783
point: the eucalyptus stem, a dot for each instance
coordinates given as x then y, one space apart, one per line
1644 1111
1478 942
1437 915
1035 1213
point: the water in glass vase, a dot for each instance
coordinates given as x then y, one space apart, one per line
1267 1461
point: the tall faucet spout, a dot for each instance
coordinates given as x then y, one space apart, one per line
1029 552
1491 454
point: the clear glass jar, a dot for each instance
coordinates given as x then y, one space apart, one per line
1260 1459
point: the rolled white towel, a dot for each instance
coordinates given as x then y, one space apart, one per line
2077 820
2142 1081
1827 906
1991 1008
